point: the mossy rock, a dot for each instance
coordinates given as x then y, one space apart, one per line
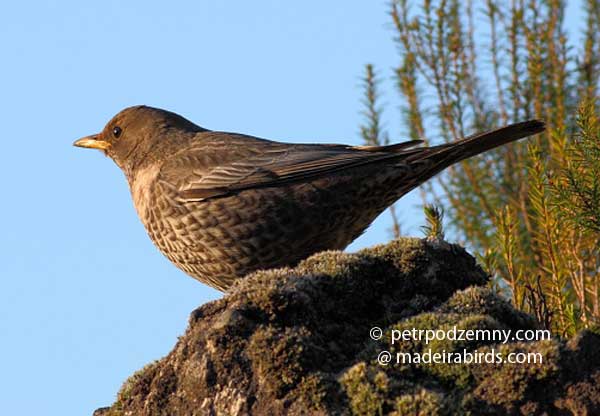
297 341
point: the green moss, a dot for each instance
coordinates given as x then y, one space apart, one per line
421 403
366 389
466 323
507 384
483 301
402 253
459 372
145 374
331 263
312 391
277 359
136 383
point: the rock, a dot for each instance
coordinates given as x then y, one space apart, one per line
297 341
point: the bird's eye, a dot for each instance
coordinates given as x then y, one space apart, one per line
117 131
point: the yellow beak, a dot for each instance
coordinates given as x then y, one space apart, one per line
92 142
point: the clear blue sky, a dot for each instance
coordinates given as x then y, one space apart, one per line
86 299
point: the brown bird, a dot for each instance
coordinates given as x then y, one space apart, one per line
221 205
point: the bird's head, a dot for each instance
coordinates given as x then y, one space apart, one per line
137 134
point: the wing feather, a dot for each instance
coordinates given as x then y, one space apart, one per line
218 164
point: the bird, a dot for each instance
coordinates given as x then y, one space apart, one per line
222 205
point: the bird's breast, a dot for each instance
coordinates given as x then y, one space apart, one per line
141 186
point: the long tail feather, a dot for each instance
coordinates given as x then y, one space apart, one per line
482 142
448 154
479 143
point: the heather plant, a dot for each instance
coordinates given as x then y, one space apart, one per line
530 210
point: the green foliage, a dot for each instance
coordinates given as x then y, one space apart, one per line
507 247
371 132
578 192
532 210
434 216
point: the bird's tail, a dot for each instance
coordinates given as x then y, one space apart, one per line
448 154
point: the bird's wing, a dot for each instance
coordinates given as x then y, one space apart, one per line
218 164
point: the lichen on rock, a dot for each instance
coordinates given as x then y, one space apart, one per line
296 341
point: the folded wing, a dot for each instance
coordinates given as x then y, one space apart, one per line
219 164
